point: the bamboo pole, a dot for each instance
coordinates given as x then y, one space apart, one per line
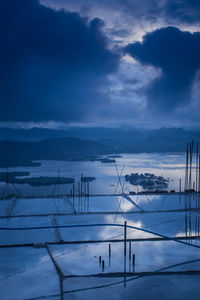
84 188
197 163
191 154
109 250
199 175
186 169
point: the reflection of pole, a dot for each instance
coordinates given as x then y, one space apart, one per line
124 238
58 183
79 189
129 251
88 189
87 199
186 225
81 184
124 271
7 180
78 195
195 225
73 190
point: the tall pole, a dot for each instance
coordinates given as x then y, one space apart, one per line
191 154
186 169
73 189
85 188
197 156
58 183
58 189
190 166
199 174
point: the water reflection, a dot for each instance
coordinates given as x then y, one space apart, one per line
137 203
105 174
192 219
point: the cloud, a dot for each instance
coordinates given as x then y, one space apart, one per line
53 63
176 53
186 11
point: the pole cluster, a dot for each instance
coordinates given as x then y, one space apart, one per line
192 174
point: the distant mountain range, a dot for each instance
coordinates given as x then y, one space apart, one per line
93 133
20 147
14 153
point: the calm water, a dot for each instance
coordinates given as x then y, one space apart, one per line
33 265
168 165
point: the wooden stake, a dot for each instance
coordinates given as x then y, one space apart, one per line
109 250
133 261
103 265
84 188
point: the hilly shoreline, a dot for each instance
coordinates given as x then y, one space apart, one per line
88 144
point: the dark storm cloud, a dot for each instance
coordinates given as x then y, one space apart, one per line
52 63
176 53
186 11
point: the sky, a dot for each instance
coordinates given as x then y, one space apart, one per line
100 63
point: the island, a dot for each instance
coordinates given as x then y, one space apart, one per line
107 160
148 181
88 179
13 178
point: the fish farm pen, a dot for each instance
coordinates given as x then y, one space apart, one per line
123 245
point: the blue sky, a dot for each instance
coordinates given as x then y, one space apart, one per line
100 63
